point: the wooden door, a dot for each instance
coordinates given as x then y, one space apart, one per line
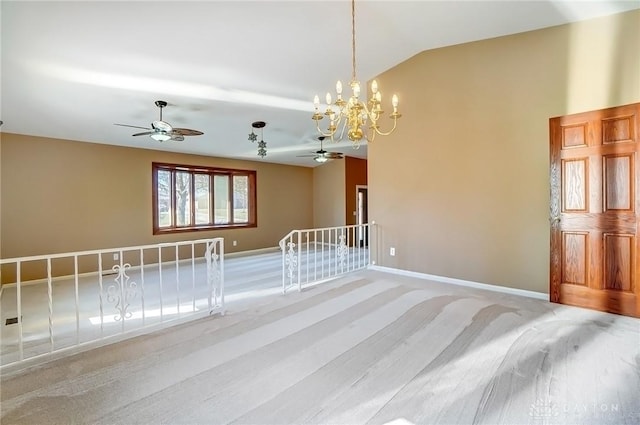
594 210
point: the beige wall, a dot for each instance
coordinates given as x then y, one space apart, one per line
61 196
1 201
329 194
461 189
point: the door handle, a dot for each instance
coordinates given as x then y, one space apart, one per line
554 220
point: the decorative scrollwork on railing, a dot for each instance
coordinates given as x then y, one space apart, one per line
213 271
291 260
122 292
343 251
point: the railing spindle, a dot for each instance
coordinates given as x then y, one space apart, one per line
50 303
75 280
315 254
320 248
160 281
177 280
307 259
193 277
142 284
19 308
101 294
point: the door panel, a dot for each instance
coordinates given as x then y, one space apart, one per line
594 210
618 183
575 261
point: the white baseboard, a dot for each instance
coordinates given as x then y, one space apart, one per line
467 283
252 252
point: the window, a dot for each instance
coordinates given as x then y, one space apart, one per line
187 198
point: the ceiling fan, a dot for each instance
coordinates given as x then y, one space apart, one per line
162 131
322 155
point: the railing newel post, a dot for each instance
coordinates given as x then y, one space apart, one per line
285 276
222 305
299 261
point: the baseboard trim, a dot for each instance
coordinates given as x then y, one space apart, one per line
467 283
258 251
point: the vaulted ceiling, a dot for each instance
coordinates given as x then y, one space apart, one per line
71 69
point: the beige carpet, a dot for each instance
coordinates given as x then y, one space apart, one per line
368 348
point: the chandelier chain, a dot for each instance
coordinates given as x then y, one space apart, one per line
353 40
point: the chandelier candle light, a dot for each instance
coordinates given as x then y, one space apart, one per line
353 114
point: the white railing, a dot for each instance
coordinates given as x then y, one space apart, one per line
60 301
313 255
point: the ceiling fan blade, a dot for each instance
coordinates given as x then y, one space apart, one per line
306 156
133 126
187 132
177 137
333 155
145 133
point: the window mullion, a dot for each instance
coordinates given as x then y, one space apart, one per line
192 197
212 208
232 219
173 198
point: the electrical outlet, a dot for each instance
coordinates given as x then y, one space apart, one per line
235 243
116 256
392 251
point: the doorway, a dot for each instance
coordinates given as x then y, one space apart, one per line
595 180
362 215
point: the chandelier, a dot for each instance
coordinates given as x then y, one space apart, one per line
352 115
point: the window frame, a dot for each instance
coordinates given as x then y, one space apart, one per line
252 216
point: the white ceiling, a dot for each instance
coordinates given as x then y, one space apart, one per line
71 69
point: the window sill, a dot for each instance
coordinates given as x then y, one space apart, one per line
202 228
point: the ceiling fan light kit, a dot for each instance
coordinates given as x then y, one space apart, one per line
162 131
160 136
352 114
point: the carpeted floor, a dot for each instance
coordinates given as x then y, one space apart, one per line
370 347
